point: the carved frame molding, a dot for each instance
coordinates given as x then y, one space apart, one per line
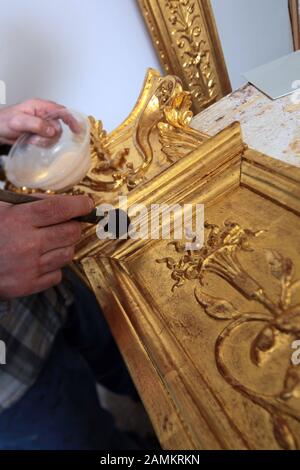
180 402
185 35
176 394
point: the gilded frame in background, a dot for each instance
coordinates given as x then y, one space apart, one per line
185 36
295 21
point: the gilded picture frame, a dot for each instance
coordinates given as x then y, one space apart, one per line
206 335
185 36
294 9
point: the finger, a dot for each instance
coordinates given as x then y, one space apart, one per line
56 259
7 142
41 108
59 236
58 209
26 123
48 280
73 124
44 142
5 205
67 117
56 124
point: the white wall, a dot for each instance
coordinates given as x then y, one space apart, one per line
252 32
90 55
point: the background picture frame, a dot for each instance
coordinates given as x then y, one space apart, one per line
294 8
185 36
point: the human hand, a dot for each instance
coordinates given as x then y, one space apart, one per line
29 116
36 241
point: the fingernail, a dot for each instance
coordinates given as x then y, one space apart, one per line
50 131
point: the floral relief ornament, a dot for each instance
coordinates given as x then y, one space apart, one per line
281 315
194 46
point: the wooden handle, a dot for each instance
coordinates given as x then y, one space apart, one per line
16 198
121 218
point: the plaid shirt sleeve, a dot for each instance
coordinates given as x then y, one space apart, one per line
28 327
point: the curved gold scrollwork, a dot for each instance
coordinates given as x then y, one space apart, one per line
274 327
166 111
159 124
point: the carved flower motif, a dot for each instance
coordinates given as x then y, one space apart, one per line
192 41
217 256
280 315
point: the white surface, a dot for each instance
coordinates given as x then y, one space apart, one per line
277 78
90 55
271 127
253 32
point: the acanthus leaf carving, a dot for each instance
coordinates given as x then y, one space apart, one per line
166 112
194 49
220 309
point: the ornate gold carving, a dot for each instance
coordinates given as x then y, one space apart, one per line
165 111
124 158
193 48
176 137
185 36
105 163
217 256
242 392
281 317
